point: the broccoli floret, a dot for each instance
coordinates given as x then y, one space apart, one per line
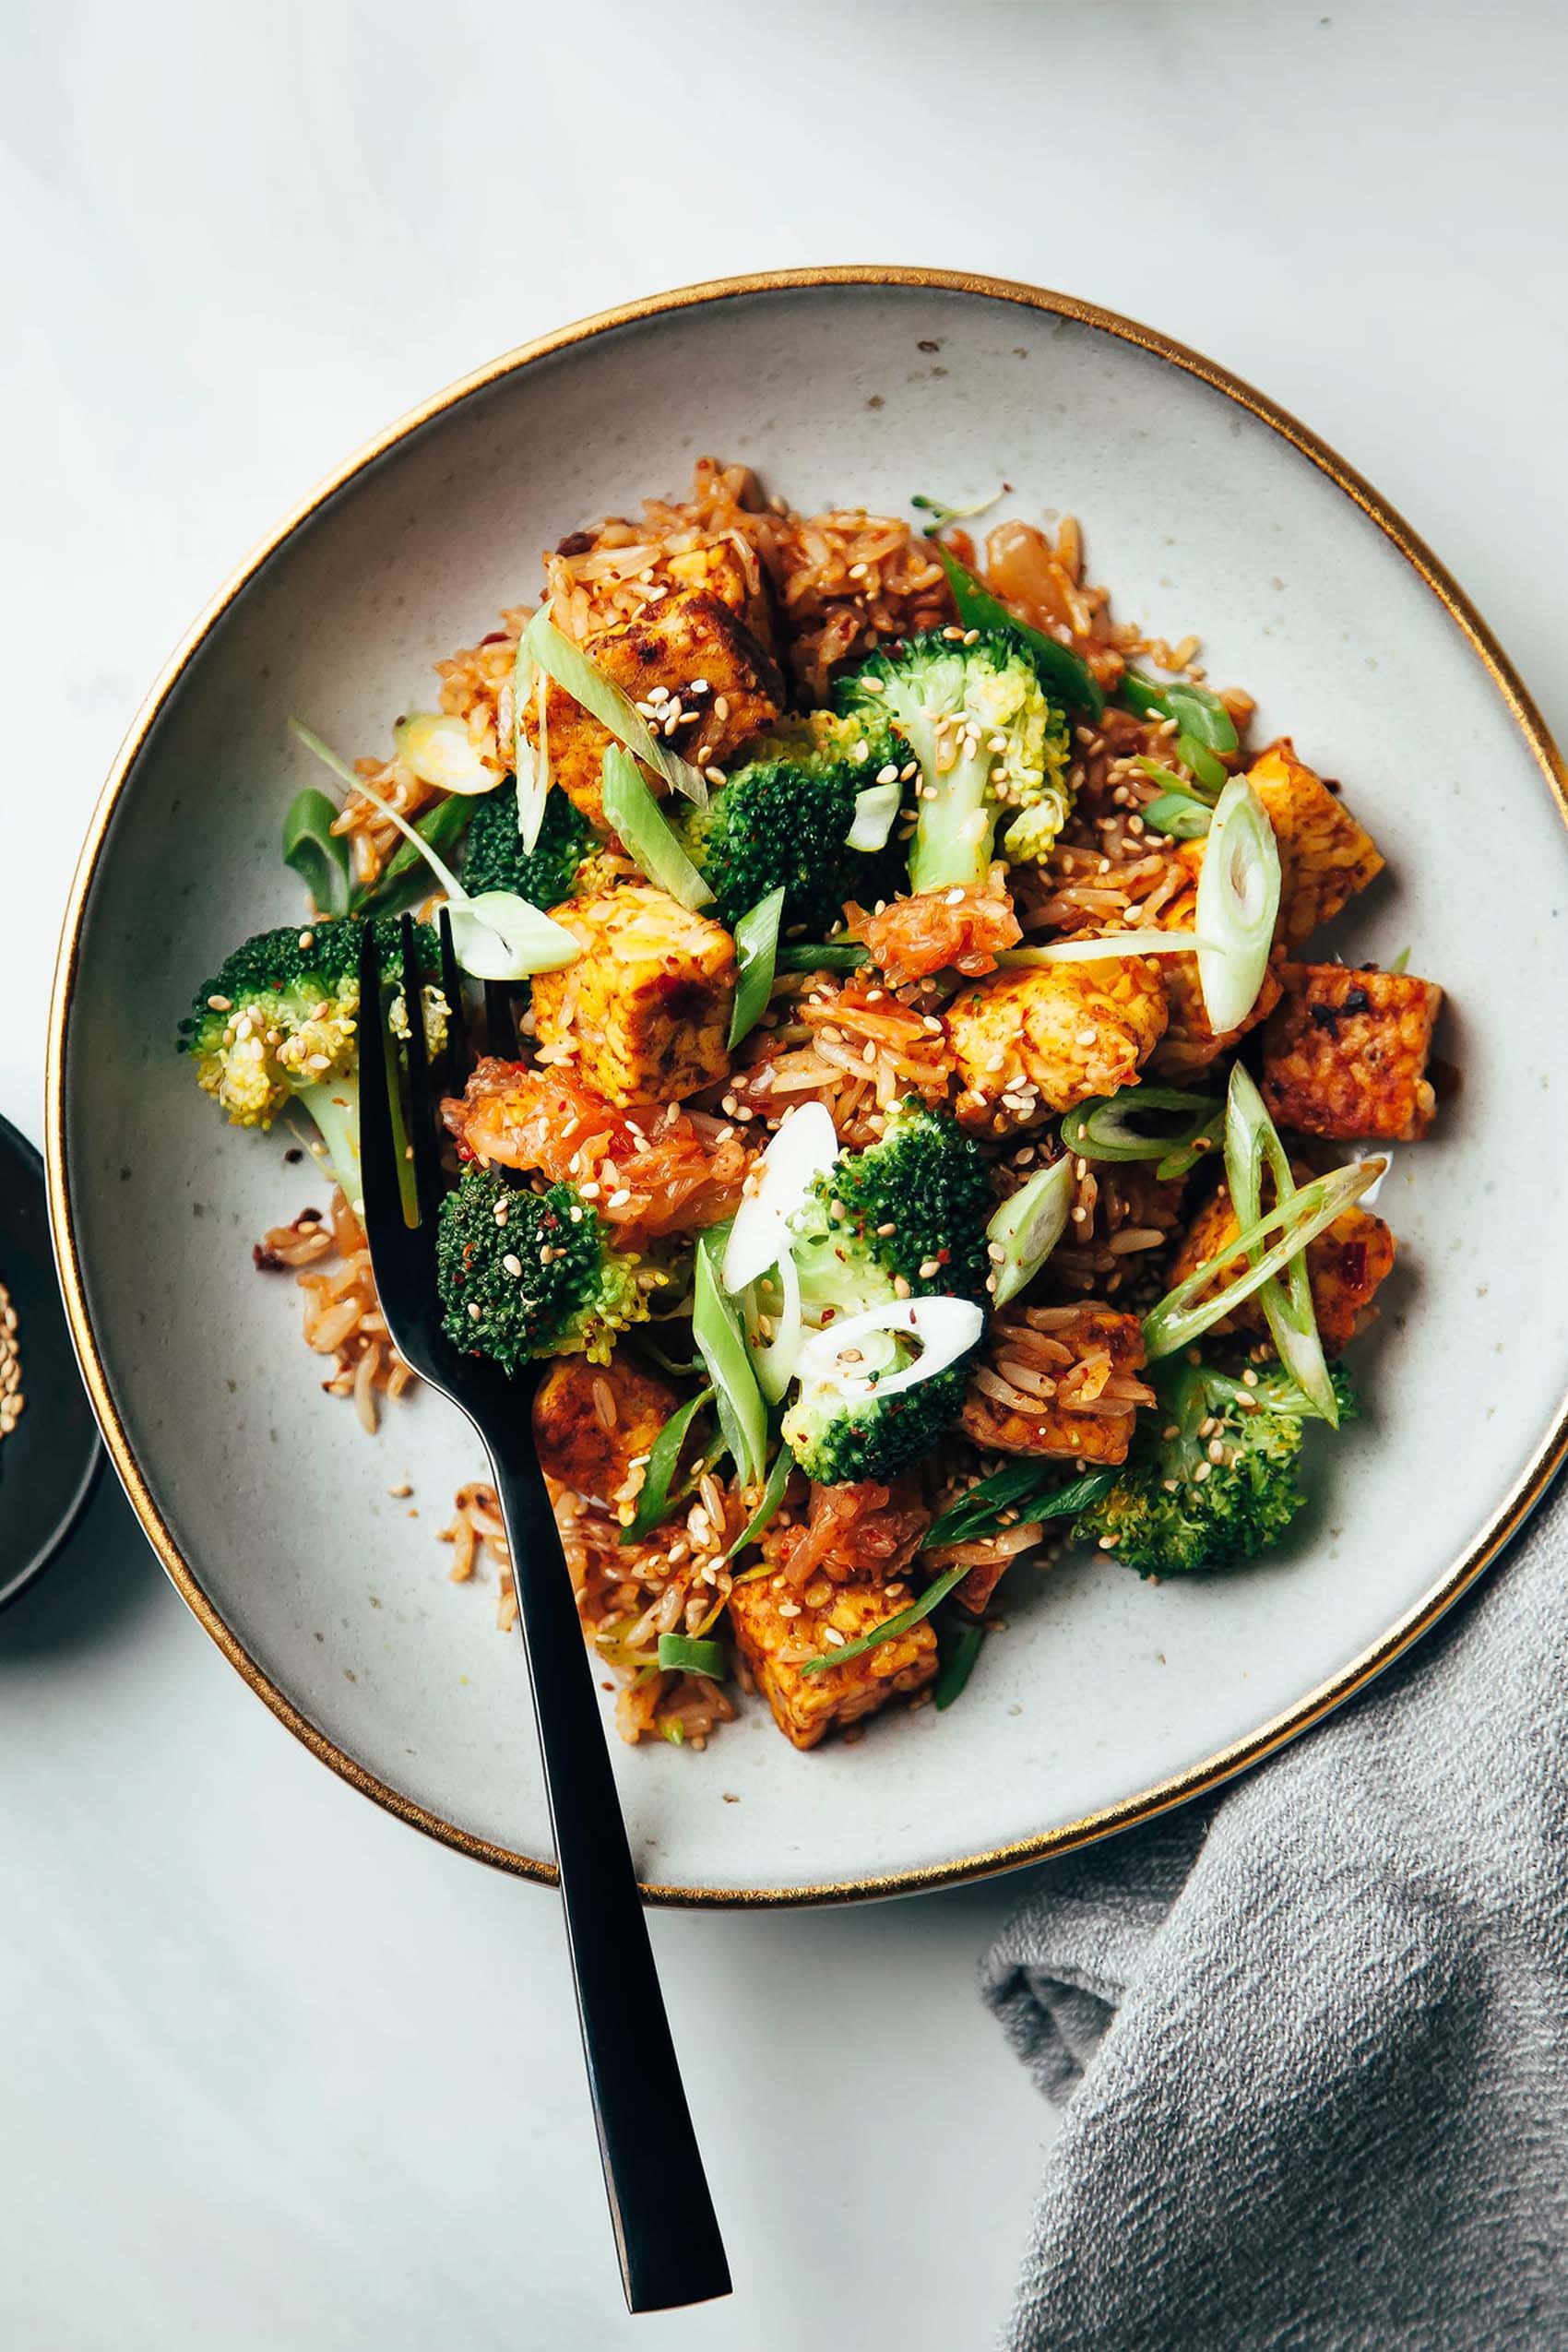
494 858
523 1274
904 1218
784 818
278 1023
1174 1509
989 740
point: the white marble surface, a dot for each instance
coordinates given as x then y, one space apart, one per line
273 2069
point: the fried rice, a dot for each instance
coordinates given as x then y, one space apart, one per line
833 587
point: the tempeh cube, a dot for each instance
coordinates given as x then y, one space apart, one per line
690 639
1345 1054
644 1013
1060 1382
1033 1042
780 1629
592 1421
1325 857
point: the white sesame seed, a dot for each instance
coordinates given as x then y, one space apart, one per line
221 1003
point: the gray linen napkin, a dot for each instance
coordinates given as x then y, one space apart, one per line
1312 2035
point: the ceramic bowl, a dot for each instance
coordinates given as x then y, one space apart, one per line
1204 508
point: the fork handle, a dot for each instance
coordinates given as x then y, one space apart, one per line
666 2230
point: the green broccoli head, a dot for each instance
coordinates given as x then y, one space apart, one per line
494 858
1175 1507
522 1274
904 1219
279 1024
993 749
843 1440
912 1207
783 819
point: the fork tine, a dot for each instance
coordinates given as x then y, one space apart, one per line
500 1026
456 1056
422 1110
378 1149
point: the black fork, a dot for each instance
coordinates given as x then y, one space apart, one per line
666 2231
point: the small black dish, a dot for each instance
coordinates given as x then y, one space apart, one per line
50 1461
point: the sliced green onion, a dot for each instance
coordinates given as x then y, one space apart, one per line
631 809
658 1472
499 936
1059 667
314 852
1110 944
1181 817
531 767
586 683
1401 962
1251 1140
832 956
899 1622
1171 782
1176 1320
1184 1156
1103 1129
958 1666
686 1654
1210 771
436 745
1142 695
1027 1228
766 1510
716 1331
876 809
1018 1495
327 756
756 946
946 1328
496 936
675 1732
401 882
775 1360
1199 713
1238 905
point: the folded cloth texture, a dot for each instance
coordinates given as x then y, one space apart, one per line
1313 2032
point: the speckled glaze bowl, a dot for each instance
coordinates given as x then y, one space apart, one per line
1206 508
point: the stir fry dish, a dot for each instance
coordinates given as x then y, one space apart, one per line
919 1139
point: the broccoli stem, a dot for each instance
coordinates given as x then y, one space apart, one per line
334 1107
955 834
954 830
